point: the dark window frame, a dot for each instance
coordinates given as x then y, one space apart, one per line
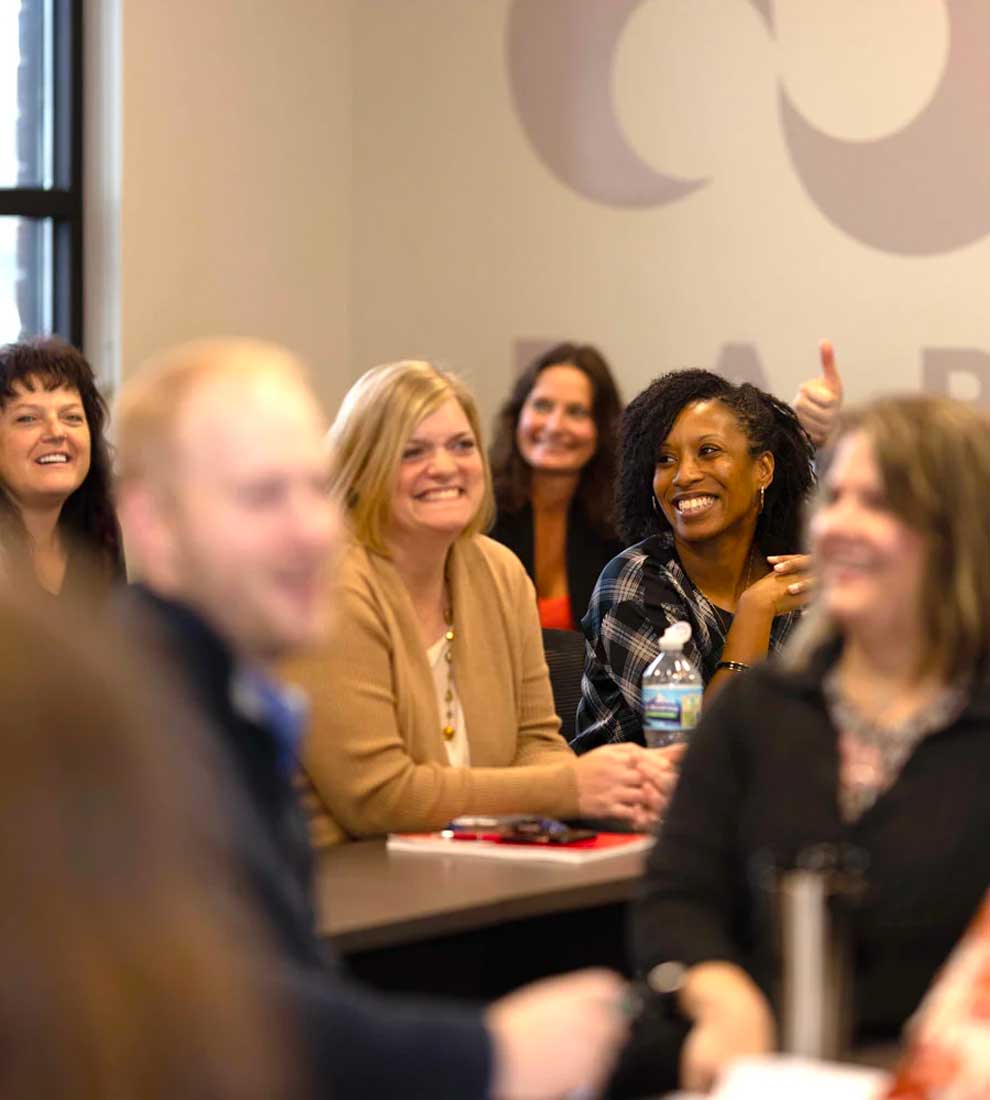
63 201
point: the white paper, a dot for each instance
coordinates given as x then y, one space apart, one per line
782 1077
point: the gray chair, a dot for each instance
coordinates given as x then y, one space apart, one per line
564 651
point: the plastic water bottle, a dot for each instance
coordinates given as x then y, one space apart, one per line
672 691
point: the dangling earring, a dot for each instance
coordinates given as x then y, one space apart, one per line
655 503
763 497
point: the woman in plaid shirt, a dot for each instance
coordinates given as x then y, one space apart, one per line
711 483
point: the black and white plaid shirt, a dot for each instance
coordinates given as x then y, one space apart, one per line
640 593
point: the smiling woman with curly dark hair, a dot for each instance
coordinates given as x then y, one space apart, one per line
712 479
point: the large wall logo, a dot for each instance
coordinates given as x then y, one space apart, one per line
922 190
560 64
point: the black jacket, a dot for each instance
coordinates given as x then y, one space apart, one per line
361 1045
760 782
588 551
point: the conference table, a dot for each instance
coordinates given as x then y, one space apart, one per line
432 923
429 922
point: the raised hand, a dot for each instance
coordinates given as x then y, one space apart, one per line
819 399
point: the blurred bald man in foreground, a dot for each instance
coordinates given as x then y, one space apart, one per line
226 519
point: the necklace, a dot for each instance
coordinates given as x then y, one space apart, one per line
449 729
874 745
890 717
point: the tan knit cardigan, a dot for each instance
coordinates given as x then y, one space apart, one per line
375 760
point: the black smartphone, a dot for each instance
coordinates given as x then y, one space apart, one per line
547 831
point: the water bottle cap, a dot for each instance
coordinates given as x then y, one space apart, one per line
676 636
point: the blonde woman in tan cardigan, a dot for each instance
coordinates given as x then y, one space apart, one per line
433 699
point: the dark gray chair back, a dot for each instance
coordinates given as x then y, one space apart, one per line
564 651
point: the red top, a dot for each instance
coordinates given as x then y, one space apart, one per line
555 613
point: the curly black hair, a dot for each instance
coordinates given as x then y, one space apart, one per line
769 425
87 517
511 473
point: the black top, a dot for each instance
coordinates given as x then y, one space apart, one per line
587 550
760 783
361 1044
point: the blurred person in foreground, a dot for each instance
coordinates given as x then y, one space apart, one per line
223 500
873 730
433 698
57 522
553 464
132 965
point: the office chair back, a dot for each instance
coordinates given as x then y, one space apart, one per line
564 651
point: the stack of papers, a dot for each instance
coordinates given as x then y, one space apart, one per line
603 846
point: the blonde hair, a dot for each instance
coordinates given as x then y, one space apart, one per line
933 455
375 421
150 402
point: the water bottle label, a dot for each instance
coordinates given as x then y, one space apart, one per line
671 706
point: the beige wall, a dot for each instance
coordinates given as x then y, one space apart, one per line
355 179
465 240
235 176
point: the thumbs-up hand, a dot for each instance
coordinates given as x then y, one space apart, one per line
819 399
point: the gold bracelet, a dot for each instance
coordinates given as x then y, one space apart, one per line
733 666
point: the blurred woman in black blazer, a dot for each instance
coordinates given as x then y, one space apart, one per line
872 730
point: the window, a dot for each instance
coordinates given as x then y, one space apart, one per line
40 168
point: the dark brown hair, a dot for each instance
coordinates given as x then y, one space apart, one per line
87 517
511 473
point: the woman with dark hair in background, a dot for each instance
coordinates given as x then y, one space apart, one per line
712 480
553 466
57 521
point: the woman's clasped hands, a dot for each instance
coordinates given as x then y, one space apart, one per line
628 782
